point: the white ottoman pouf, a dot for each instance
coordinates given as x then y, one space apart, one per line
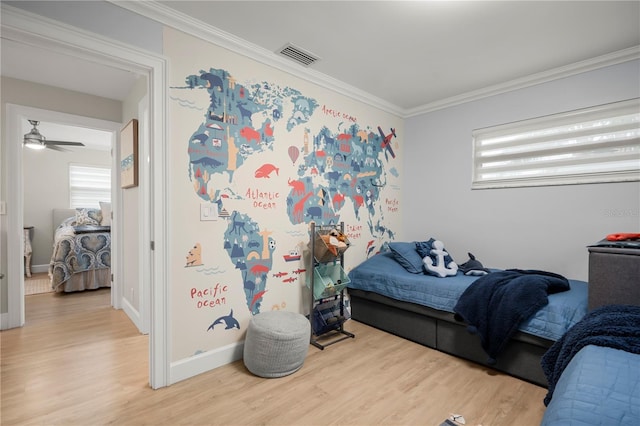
277 343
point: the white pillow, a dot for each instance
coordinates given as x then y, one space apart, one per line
106 213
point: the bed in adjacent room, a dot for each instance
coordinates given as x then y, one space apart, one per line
390 291
81 258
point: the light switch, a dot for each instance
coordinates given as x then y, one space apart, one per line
208 212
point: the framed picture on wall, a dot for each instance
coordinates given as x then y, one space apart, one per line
129 155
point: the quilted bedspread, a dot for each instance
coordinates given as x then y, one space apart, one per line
600 386
73 253
383 275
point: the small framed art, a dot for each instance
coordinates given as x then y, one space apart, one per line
129 155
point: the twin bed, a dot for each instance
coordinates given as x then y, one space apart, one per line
390 291
81 258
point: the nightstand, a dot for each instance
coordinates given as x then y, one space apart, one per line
27 232
614 276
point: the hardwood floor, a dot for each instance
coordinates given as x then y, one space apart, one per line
80 362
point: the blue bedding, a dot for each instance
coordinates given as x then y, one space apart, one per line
612 326
382 274
599 386
496 304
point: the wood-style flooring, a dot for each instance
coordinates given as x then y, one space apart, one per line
80 362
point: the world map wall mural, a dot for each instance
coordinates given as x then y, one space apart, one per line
333 166
269 159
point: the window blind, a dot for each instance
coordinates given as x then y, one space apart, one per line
598 144
88 185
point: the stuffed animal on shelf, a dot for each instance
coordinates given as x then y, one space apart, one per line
335 240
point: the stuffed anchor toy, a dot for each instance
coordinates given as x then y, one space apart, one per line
438 262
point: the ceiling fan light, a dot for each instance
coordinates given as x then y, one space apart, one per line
33 143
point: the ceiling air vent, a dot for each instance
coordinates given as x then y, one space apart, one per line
298 55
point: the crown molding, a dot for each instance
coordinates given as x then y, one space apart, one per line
159 12
170 17
184 23
39 31
625 55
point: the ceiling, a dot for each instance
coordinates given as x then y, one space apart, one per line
406 53
413 53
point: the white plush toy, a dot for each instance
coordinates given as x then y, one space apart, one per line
439 267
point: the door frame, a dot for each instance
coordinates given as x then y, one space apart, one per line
28 28
15 118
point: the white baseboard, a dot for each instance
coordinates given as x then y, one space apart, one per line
4 321
132 313
205 361
36 269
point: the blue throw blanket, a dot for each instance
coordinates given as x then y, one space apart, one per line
496 304
614 326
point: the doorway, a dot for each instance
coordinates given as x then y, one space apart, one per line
56 181
153 175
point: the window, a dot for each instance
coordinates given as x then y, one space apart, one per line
88 185
598 144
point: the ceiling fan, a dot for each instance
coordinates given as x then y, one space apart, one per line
35 140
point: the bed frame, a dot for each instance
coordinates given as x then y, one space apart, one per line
439 330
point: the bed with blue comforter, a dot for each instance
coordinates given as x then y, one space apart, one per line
600 386
387 294
594 370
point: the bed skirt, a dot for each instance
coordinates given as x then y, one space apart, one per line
87 280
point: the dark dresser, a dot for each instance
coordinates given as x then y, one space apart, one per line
614 274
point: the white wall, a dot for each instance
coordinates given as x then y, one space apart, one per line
130 199
545 228
46 187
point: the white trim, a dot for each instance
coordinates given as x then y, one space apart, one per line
132 313
205 361
187 24
15 214
117 262
160 309
592 64
144 215
29 28
170 17
37 269
4 321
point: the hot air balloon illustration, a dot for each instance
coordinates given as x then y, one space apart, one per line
294 152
